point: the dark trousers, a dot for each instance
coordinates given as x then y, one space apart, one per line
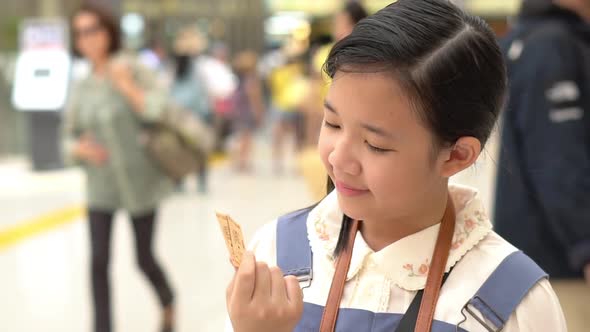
101 223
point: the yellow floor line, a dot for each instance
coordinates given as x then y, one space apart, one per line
217 159
29 228
47 222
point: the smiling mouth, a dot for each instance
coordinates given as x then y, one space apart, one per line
349 191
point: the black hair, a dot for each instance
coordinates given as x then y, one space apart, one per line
447 62
106 19
355 11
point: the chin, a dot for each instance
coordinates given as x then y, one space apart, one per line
354 208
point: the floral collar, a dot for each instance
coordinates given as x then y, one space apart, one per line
405 262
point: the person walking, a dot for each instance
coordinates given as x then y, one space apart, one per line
102 127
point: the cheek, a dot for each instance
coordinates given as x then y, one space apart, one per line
398 176
382 176
90 47
103 42
325 147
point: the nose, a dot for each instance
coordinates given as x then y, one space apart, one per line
343 159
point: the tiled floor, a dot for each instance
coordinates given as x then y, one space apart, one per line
44 281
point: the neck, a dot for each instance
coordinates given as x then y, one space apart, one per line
99 66
381 233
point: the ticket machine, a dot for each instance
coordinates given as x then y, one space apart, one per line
42 76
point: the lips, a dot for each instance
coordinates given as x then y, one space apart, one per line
347 190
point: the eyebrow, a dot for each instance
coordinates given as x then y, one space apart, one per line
370 128
329 107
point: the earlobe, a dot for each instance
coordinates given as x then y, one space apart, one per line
462 155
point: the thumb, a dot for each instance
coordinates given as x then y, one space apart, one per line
294 292
230 290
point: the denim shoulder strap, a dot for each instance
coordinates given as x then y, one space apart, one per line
294 255
503 291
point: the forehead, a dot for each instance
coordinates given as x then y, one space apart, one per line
85 18
372 97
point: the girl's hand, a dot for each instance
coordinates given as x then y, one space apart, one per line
260 299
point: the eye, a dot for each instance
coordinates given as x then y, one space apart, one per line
331 125
376 149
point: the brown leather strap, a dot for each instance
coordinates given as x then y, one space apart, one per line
435 275
330 315
437 269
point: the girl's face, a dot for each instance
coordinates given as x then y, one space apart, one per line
91 38
376 150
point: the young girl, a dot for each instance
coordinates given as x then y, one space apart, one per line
416 91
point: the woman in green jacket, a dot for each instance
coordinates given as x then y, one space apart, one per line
103 135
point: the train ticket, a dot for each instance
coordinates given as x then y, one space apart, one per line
234 239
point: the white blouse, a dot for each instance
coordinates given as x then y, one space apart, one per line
387 281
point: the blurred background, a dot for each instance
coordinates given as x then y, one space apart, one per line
256 64
259 25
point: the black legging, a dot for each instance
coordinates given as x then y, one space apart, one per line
100 237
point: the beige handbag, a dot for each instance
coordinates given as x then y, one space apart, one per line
179 142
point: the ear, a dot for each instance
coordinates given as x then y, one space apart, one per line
461 156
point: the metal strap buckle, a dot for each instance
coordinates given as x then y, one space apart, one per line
306 278
481 321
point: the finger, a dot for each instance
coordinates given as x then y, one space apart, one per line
230 287
230 290
262 290
294 292
278 287
232 264
245 279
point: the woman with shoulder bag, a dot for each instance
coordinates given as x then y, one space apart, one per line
102 127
